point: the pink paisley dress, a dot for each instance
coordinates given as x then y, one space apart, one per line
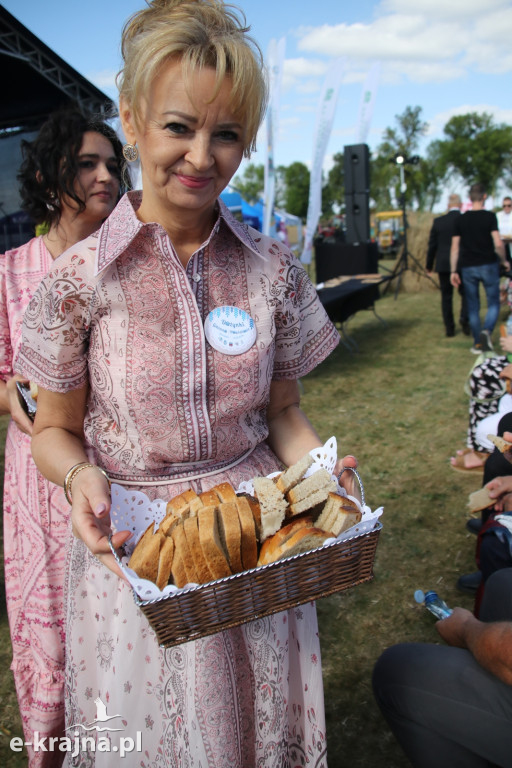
36 517
167 411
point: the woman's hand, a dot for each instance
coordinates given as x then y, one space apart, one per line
346 477
18 415
90 517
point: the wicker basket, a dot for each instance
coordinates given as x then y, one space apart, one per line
209 608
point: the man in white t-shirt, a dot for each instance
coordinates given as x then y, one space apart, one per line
505 225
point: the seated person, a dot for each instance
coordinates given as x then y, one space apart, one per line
489 385
493 550
451 706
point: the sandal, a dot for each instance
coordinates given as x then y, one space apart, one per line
459 461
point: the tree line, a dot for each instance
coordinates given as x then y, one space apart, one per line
473 148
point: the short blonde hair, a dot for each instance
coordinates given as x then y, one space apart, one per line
202 34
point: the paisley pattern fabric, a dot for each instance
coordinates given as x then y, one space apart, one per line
35 517
166 411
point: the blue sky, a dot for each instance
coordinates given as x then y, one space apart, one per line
446 57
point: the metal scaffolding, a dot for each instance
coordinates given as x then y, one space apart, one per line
37 81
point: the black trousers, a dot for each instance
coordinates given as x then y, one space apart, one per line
446 710
447 303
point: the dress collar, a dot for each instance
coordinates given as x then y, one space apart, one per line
123 226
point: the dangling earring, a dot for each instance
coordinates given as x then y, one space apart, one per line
130 153
51 206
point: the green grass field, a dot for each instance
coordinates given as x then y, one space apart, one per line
397 404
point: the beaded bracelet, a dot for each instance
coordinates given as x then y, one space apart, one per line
73 472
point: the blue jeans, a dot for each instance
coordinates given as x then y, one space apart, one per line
489 275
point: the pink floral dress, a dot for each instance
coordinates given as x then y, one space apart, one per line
36 517
167 411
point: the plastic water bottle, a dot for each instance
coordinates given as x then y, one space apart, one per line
433 603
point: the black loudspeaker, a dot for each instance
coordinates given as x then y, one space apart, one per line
357 217
356 169
335 259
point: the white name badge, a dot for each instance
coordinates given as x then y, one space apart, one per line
230 330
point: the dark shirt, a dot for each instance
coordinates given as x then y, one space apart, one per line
440 241
476 243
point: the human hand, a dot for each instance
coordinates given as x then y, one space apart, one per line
498 488
90 517
18 415
506 344
346 478
453 629
455 279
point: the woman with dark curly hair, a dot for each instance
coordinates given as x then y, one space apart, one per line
70 180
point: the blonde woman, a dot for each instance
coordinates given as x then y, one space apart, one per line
132 386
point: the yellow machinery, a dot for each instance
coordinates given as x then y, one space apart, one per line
389 230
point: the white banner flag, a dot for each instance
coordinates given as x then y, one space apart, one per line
325 117
275 63
367 103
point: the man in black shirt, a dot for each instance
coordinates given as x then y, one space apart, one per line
438 258
476 246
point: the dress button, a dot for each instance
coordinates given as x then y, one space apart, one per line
196 277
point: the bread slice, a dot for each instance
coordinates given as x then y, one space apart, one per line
501 444
180 505
144 558
303 540
187 561
225 492
191 528
312 484
168 523
338 515
479 500
271 547
209 498
255 511
179 574
310 502
211 544
230 534
272 506
248 538
294 474
165 559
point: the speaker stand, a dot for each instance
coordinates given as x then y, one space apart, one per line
402 264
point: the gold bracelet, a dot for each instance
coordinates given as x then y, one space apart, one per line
73 472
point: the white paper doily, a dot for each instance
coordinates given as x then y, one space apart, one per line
133 511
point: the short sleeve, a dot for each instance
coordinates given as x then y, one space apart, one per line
56 327
304 334
5 331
